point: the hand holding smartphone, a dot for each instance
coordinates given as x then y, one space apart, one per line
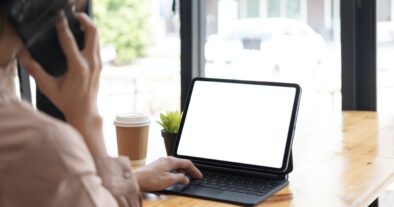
75 92
36 27
35 22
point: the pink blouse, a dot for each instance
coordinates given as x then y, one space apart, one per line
44 162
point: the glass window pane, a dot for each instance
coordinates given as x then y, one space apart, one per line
290 41
140 47
293 9
253 8
273 8
385 53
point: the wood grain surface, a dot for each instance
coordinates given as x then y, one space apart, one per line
343 159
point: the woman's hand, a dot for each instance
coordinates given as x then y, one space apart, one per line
165 172
75 93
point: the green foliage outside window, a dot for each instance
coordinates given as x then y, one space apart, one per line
123 24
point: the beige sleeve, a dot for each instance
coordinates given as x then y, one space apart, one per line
39 175
117 187
45 163
119 180
106 181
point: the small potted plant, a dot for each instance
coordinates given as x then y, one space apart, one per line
170 123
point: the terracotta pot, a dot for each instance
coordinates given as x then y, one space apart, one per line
169 141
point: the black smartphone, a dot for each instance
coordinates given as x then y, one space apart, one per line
35 22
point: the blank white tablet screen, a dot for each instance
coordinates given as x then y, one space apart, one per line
235 122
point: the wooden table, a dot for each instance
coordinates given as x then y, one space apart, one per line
343 159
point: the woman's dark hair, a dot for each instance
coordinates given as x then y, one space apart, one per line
2 20
43 10
3 15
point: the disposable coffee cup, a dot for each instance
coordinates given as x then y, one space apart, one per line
132 136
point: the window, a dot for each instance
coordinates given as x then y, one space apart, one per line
273 8
150 82
287 40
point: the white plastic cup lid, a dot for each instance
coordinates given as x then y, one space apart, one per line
132 120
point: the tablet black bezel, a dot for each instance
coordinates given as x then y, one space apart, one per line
284 169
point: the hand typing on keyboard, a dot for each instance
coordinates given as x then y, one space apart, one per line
166 172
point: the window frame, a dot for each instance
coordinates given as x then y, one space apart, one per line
192 34
358 40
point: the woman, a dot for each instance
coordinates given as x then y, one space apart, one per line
45 162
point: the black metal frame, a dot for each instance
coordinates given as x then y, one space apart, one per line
192 37
358 33
186 33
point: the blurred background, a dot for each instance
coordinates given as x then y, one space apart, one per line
268 40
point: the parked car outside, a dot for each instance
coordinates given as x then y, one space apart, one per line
267 46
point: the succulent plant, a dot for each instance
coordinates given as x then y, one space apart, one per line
170 121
